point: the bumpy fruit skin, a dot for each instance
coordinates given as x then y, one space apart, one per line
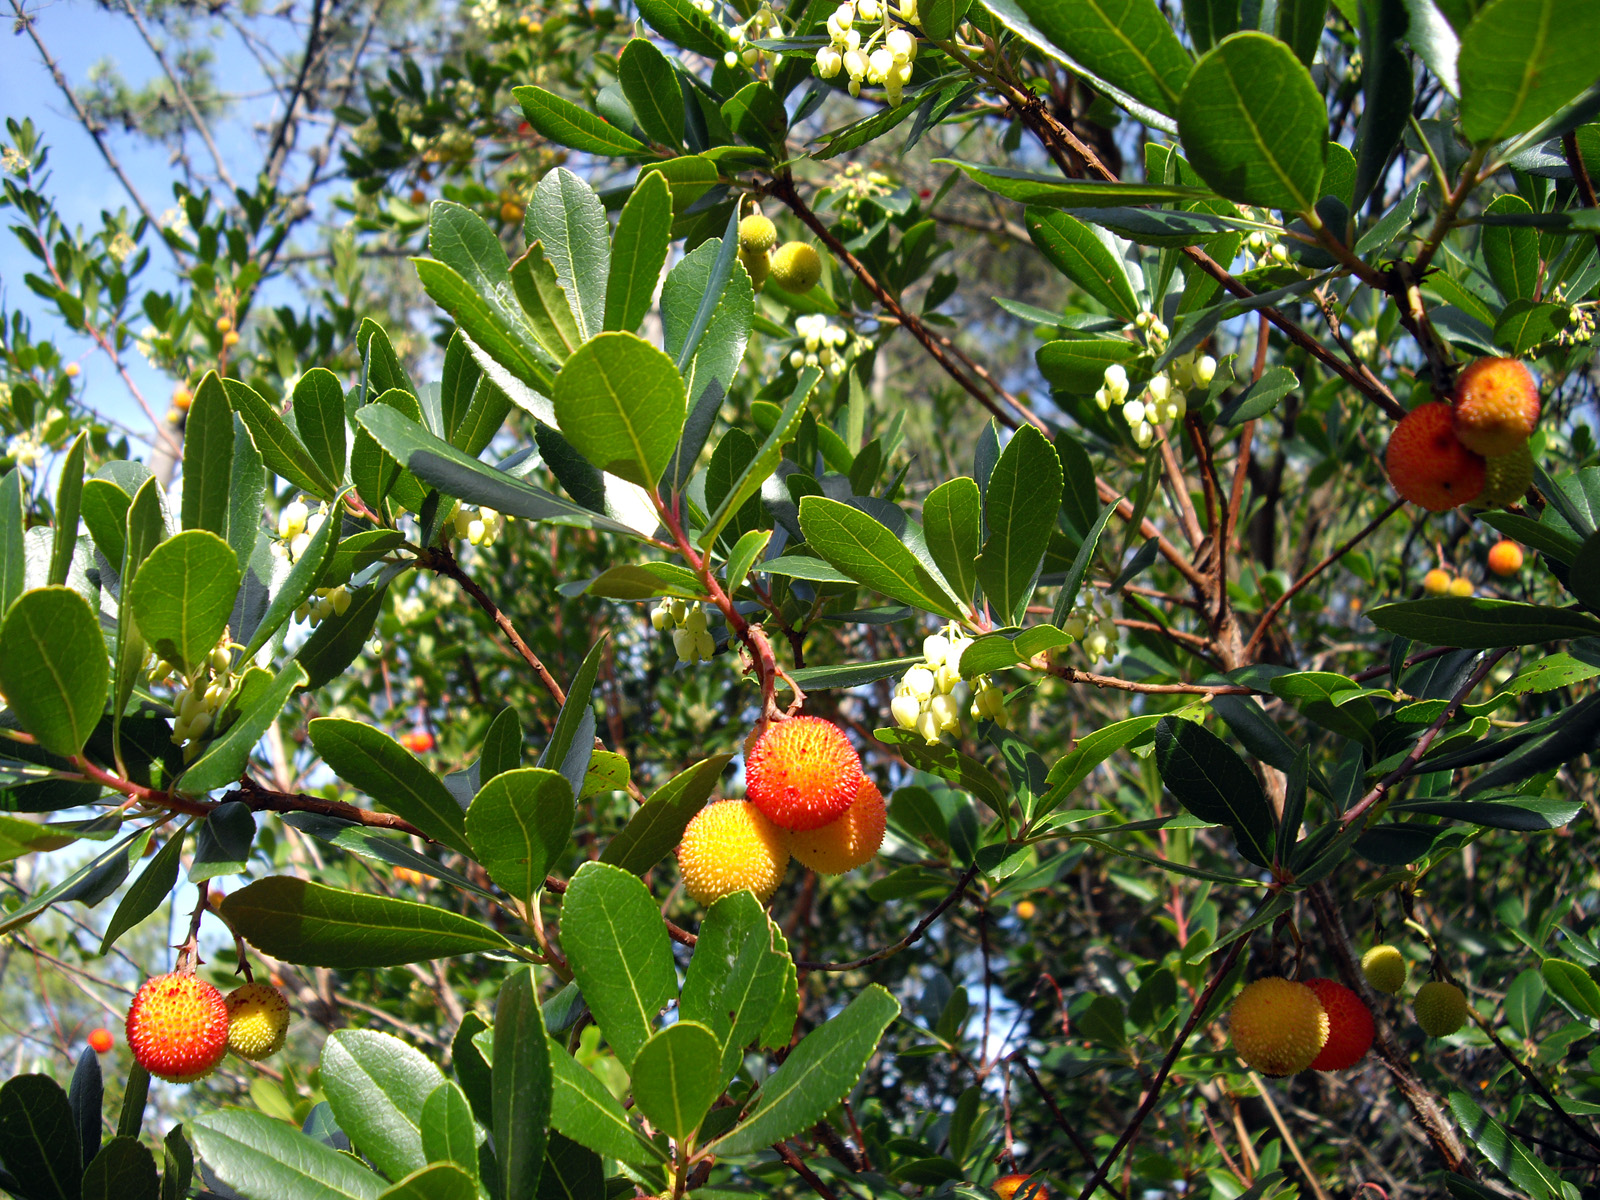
802 773
758 266
1385 969
1506 478
1279 1026
178 1027
1436 582
1009 1186
796 267
1428 465
729 845
757 234
1496 406
258 1019
1461 586
1505 558
100 1040
1441 1008
850 841
1350 1028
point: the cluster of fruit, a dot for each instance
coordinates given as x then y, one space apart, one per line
179 1026
1439 1005
1473 449
690 637
807 798
794 266
924 698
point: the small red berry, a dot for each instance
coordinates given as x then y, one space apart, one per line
418 741
100 1040
1350 1028
178 1027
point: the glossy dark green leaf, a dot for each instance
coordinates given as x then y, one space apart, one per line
747 484
304 578
208 458
154 885
1511 253
247 495
566 218
638 252
339 639
447 1130
682 24
571 742
1083 256
303 922
1130 44
281 449
585 1111
1260 398
319 419
1481 624
1528 813
183 595
519 823
1079 365
485 324
1573 985
1019 509
86 1095
53 667
369 759
1274 163
38 1140
376 1085
223 846
870 553
735 978
545 303
676 1076
1526 325
436 1181
997 651
123 1170
13 562
69 505
1531 1177
620 402
951 522
1214 784
565 124
1521 61
264 1158
522 1086
620 954
818 1073
105 511
651 86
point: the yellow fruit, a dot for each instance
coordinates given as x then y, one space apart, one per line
1436 582
1026 909
224 324
796 267
1505 558
511 212
847 842
729 845
258 1018
1279 1026
1461 586
1506 478
1385 968
1020 1187
231 338
182 397
1496 406
72 370
1441 1008
757 265
757 234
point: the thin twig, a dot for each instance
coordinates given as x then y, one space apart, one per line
183 96
917 930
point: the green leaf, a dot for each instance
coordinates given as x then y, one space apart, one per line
376 1086
458 386
1527 813
1074 767
1067 599
456 474
69 501
1523 60
615 940
766 459
1511 253
304 578
154 885
225 759
448 1134
1574 986
369 759
436 1181
522 1086
38 1139
638 252
145 528
13 561
1478 624
951 523
620 402
735 978
246 496
123 1170
651 86
1531 1177
518 824
320 926
486 325
177 1167
750 547
1019 508
1083 256
756 115
676 1076
647 580
338 640
318 418
208 458
104 507
818 1073
583 1110
502 746
545 303
1213 783
263 1158
53 667
566 218
1012 648
564 123
940 18
1129 43
571 742
1253 124
681 23
1260 398
284 453
1079 365
870 553
183 594
1525 325
653 831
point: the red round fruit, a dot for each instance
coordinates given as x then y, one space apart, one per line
1427 465
418 741
100 1040
802 773
1350 1028
178 1027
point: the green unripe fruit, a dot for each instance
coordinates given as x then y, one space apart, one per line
757 265
1441 1008
757 234
1385 969
1506 478
796 267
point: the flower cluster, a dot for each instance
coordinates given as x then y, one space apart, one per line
24 448
888 64
480 526
924 700
690 637
1580 319
1095 631
296 526
204 692
14 161
824 344
324 603
757 27
1164 398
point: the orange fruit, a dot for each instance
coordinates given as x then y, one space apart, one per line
1496 406
846 842
1505 558
802 773
1428 465
178 1027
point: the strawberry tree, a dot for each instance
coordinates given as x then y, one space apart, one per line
1123 620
